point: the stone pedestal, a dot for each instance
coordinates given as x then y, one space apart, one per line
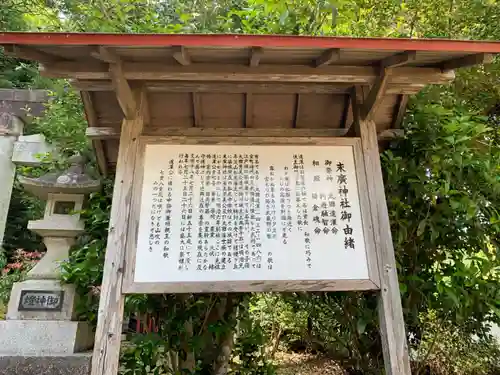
75 364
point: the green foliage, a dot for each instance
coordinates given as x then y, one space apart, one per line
443 180
446 349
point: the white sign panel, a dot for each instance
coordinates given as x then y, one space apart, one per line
233 213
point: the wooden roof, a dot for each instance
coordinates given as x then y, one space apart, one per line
243 84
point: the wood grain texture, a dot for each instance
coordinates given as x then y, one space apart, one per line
235 73
250 286
377 93
110 316
112 133
244 87
367 219
471 60
122 89
392 328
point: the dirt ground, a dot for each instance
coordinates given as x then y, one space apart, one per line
306 364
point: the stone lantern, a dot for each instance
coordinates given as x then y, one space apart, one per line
41 316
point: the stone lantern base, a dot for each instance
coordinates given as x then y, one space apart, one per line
38 333
76 364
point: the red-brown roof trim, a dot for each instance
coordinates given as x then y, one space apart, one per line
245 40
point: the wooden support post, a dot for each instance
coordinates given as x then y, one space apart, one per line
392 329
110 316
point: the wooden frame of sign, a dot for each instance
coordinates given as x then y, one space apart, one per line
331 270
118 278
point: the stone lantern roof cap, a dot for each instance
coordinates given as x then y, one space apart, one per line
73 180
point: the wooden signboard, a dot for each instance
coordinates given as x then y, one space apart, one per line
256 217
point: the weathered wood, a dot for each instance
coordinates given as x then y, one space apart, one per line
399 59
400 111
392 329
471 60
197 116
231 72
122 89
112 133
181 55
110 316
29 53
239 87
248 110
327 57
377 93
255 56
92 121
104 54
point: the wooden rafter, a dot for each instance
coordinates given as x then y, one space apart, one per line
376 94
256 54
398 59
181 55
238 73
120 84
327 57
478 58
29 53
379 88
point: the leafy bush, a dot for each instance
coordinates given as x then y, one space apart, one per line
448 350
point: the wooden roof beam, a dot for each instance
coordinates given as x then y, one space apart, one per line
102 133
398 59
256 54
244 87
30 53
327 57
119 82
238 73
379 88
181 55
470 60
377 93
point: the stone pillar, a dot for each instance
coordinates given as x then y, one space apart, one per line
41 320
10 128
15 108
